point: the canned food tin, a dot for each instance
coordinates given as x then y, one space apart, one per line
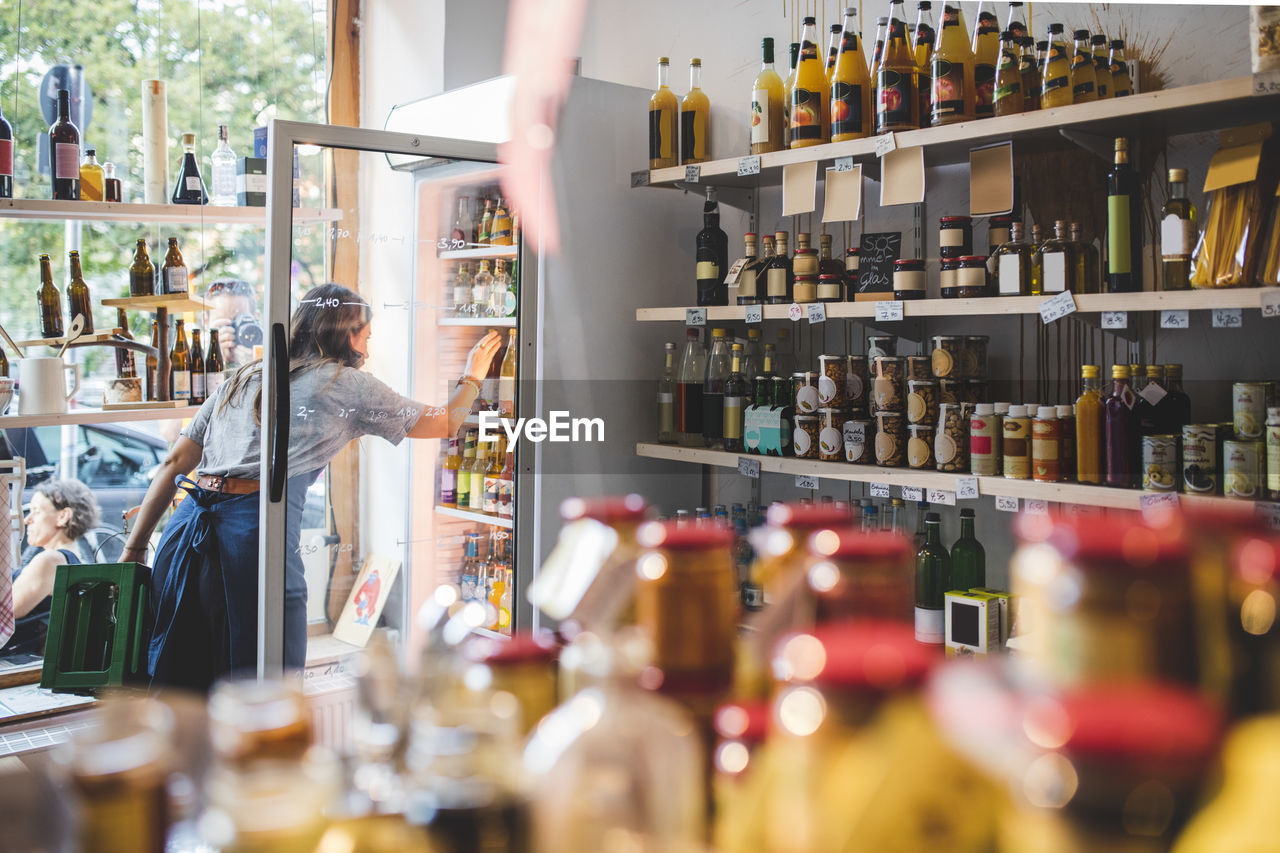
1159 463
1249 409
857 447
806 395
891 439
878 345
947 360
804 438
1241 469
832 376
1200 459
856 382
831 434
1273 455
922 401
920 445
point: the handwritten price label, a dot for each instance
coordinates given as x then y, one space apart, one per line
1037 507
1004 503
911 493
1266 82
1115 319
844 164
692 174
749 467
888 311
1057 307
806 481
1270 513
817 312
885 144
1175 320
1227 318
1158 503
941 496
967 488
795 312
755 314
695 316
735 270
749 165
1271 303
879 490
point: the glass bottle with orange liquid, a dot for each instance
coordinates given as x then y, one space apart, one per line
1055 81
695 118
788 86
1030 74
1089 426
851 86
767 119
833 51
986 54
1101 66
953 98
923 37
897 83
662 120
1084 82
809 94
877 50
1008 99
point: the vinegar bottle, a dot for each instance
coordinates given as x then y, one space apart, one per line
953 98
1084 82
1055 84
808 96
850 86
767 118
923 38
897 83
986 53
662 120
695 118
1124 224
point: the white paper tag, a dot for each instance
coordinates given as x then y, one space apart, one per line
1271 513
817 312
1271 303
967 488
1037 507
1004 503
1227 318
1158 502
806 481
1175 320
748 467
888 311
640 179
754 314
912 493
1267 82
886 143
692 174
749 165
879 490
942 496
1115 319
1057 307
1153 393
695 316
844 164
795 312
735 270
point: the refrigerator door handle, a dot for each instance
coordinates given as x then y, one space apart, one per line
280 407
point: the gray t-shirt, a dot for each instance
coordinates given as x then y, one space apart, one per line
329 406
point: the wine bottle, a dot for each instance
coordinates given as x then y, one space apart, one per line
78 301
175 269
142 273
968 557
6 158
933 579
1124 224
198 385
213 365
64 152
189 188
711 253
50 302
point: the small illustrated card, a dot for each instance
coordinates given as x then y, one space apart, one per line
368 597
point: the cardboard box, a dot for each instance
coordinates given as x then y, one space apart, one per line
1006 614
251 182
972 623
259 142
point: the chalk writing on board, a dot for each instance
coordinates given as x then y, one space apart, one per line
877 252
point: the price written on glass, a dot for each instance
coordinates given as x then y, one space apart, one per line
1175 320
806 481
1115 319
888 311
967 488
445 244
692 174
1037 507
695 316
1227 318
754 314
941 496
749 165
879 490
911 493
1057 307
817 312
749 467
1004 503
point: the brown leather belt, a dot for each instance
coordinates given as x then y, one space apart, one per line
227 485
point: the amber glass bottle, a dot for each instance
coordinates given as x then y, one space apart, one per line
50 302
78 301
897 101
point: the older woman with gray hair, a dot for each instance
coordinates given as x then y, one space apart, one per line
61 512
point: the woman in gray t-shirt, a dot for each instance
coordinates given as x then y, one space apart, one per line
204 584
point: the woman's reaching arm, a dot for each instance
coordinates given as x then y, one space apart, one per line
182 458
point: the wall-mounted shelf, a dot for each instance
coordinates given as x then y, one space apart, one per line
182 303
95 338
496 322
478 517
478 253
98 416
180 214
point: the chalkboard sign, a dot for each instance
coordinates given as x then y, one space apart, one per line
876 254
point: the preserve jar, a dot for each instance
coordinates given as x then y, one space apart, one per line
922 401
804 437
918 367
909 280
951 446
888 388
856 382
878 345
999 232
971 278
955 237
975 356
920 446
891 439
947 359
830 288
832 381
804 289
805 392
1046 446
949 278
831 423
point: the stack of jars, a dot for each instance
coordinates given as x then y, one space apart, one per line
830 422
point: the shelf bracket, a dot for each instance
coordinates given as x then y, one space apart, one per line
741 198
1100 146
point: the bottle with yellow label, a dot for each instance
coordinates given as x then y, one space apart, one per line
662 120
897 83
695 118
952 73
810 93
986 54
1055 82
767 120
850 85
1084 80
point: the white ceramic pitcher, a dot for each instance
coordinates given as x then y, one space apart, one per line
42 387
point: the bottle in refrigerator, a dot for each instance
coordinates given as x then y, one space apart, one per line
484 229
91 177
717 375
986 55
463 284
493 478
933 579
462 224
735 402
64 152
1124 224
667 397
711 253
488 398
1101 66
481 284
768 119
923 38
695 118
50 302
1120 83
968 557
1177 234
78 299
463 487
469 575
500 230
1121 429
475 491
952 72
449 476
809 95
507 484
691 376
1055 81
898 80
502 293
189 188
507 378
662 120
222 171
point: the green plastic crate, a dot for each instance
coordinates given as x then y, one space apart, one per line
97 621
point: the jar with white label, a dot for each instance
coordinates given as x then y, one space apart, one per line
1016 444
1273 454
971 278
804 438
805 393
1046 446
909 279
832 381
1200 459
1242 469
831 434
830 288
859 436
955 237
984 441
1249 408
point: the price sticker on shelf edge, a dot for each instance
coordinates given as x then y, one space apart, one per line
817 312
735 270
879 490
749 165
795 313
844 164
911 493
748 467
942 496
806 481
1270 512
888 311
967 488
1227 318
1115 319
885 144
1057 307
1037 507
1004 503
1158 503
1175 320
755 314
692 174
695 316
1270 303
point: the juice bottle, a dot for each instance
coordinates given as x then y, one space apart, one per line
897 83
1055 82
449 476
877 52
462 495
788 86
1084 82
850 86
1101 66
986 53
1120 83
767 119
1121 429
1008 99
1016 22
829 70
695 118
923 38
952 76
1030 74
808 98
662 120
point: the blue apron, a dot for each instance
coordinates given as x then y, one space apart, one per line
204 588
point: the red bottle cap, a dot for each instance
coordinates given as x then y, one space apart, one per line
808 516
870 655
610 510
854 544
683 537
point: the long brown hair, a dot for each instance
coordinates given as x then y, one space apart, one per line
319 333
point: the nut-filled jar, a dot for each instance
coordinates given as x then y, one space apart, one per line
920 445
922 401
859 438
856 382
832 381
973 391
955 237
984 441
1160 463
951 445
831 434
1046 446
975 356
919 367
1016 444
951 391
891 439
949 278
804 437
909 280
878 345
971 278
888 388
947 359
804 385
1200 459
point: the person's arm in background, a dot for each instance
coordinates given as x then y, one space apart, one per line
35 584
440 423
182 458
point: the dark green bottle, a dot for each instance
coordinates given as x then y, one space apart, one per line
968 558
933 579
735 402
50 302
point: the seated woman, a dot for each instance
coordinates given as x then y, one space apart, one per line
61 512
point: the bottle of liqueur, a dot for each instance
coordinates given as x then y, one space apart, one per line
808 96
1121 429
50 301
768 121
507 378
953 98
986 55
1008 98
850 85
1030 74
174 272
1084 81
735 402
214 368
1144 411
142 273
199 384
897 83
667 396
713 389
189 188
1056 261
711 253
923 38
968 557
829 266
91 177
463 490
747 293
1121 86
1124 224
126 364
6 157
1013 265
64 152
778 275
1101 66
153 363
1177 234
449 476
695 118
1016 22
933 579
486 223
690 378
180 366
1090 428
475 493
78 301
788 86
877 50
1055 84
1088 274
111 188
222 171
751 282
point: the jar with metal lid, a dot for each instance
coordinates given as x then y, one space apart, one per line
888 388
805 393
999 232
856 575
830 288
1160 463
947 359
804 437
856 382
831 423
878 345
804 289
975 356
1046 446
920 445
859 437
851 259
891 439
951 444
971 278
909 279
984 441
832 380
918 367
1067 431
805 260
1249 409
949 278
951 391
1242 469
955 237
922 401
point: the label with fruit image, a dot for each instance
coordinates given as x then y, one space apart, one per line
846 109
984 88
896 94
806 115
759 116
948 88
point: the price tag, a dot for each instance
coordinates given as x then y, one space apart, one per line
817 312
806 481
967 488
1057 307
1158 503
695 316
1271 303
1153 393
879 490
734 271
1037 507
755 314
888 311
885 144
1270 512
795 312
1266 82
1175 320
1004 503
911 493
941 496
1115 319
749 467
1227 318
749 165
844 164
640 179
692 174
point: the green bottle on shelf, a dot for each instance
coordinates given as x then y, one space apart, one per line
933 579
968 557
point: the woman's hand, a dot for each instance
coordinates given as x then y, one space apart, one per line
481 356
133 555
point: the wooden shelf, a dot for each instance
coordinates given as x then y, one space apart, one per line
97 211
481 322
178 302
478 253
1186 109
480 517
99 416
96 337
1087 303
1071 493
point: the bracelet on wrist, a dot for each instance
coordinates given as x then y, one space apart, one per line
467 380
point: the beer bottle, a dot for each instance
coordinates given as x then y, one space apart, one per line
153 362
213 365
50 302
126 364
175 269
180 366
198 382
142 273
78 296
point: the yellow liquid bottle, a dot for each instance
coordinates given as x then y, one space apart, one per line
809 94
788 86
1016 22
986 54
877 51
1121 85
833 51
850 86
897 84
662 120
1084 82
1055 79
1089 427
1009 100
953 98
91 177
768 121
923 38
1030 74
695 118
1101 66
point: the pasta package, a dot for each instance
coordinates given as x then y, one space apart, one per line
1269 273
1241 186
